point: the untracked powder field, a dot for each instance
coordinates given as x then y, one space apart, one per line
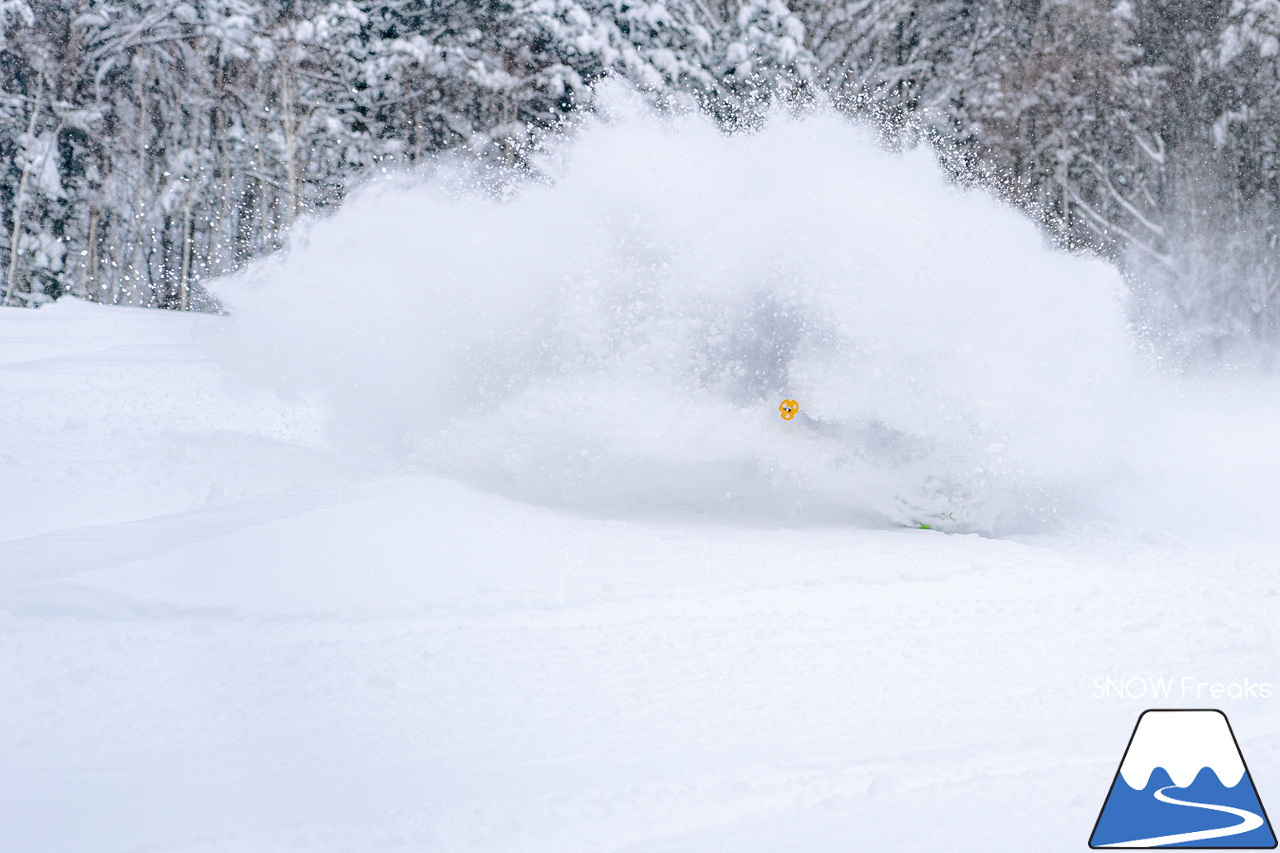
472 524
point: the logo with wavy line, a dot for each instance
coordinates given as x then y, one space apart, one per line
1183 783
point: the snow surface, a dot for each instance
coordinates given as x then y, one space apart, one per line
288 580
1183 743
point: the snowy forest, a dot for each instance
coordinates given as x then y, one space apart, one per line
152 144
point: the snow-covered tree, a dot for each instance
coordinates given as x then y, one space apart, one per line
147 145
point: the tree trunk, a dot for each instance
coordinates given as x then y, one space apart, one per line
91 272
10 280
290 136
134 273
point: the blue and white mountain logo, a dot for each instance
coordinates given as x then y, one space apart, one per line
1183 783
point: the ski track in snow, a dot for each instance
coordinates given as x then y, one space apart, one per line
218 635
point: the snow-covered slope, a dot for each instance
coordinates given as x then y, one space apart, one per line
396 558
316 658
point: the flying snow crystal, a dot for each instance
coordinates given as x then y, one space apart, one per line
955 369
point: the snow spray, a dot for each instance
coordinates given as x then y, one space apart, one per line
614 335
